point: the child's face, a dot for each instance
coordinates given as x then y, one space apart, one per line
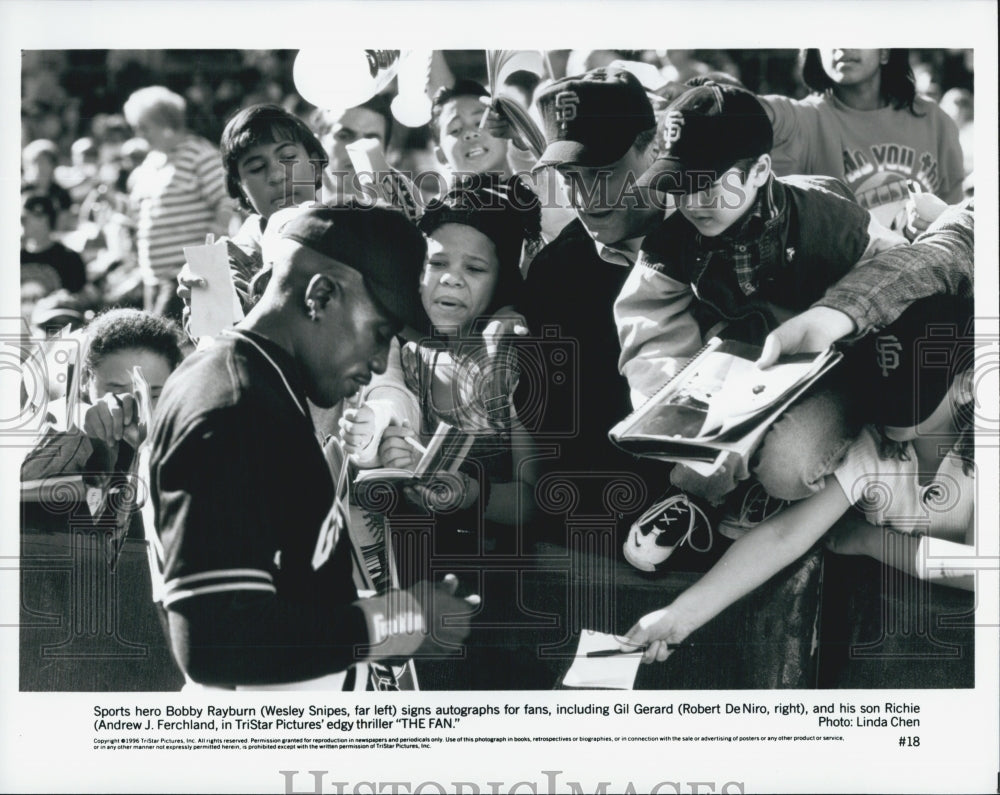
713 210
114 373
464 147
460 276
850 67
270 184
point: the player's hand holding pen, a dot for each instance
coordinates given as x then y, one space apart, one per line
446 615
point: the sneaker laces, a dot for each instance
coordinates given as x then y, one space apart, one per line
754 498
693 509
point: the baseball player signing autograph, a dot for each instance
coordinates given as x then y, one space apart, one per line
253 539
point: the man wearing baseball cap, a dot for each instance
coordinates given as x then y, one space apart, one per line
253 543
599 128
744 251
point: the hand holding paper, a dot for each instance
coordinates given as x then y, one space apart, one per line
214 302
593 667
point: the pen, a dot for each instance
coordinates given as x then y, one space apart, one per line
415 445
613 652
637 650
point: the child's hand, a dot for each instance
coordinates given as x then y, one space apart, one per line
506 320
812 331
920 211
112 419
656 631
446 493
186 281
394 451
357 428
497 125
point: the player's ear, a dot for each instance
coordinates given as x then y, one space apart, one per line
440 156
320 292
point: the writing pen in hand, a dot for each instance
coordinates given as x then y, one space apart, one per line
636 650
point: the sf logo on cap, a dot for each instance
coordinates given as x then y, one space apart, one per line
673 123
887 350
565 104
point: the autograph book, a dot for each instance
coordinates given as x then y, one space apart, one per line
719 403
444 454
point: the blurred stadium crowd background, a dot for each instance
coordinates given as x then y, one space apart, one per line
79 151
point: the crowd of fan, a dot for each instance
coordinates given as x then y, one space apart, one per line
829 192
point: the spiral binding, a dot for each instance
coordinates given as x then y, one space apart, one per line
381 59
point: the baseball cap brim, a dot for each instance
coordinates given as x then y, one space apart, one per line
672 176
574 153
404 305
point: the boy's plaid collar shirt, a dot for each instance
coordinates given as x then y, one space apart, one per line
741 241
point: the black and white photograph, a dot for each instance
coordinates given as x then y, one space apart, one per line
321 470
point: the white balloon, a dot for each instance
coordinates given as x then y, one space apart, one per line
412 110
333 79
412 106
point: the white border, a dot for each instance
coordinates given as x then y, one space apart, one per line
45 738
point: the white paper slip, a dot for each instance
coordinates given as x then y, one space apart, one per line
140 388
212 307
614 672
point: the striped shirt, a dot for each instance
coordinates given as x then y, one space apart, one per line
177 196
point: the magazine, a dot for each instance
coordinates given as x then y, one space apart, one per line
442 457
500 64
719 403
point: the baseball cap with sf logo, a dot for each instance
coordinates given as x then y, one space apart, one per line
703 133
591 120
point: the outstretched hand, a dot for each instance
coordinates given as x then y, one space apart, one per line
812 331
657 632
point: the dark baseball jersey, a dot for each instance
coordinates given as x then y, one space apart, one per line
257 571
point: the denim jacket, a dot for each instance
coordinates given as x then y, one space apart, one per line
809 233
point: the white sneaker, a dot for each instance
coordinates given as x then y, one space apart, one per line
669 523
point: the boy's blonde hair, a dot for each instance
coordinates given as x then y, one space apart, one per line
157 104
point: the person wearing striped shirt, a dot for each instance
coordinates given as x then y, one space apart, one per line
178 194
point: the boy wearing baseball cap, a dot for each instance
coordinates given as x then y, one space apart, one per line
252 535
744 252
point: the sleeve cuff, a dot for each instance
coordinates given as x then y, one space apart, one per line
395 625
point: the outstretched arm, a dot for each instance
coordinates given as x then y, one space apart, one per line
748 563
878 290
